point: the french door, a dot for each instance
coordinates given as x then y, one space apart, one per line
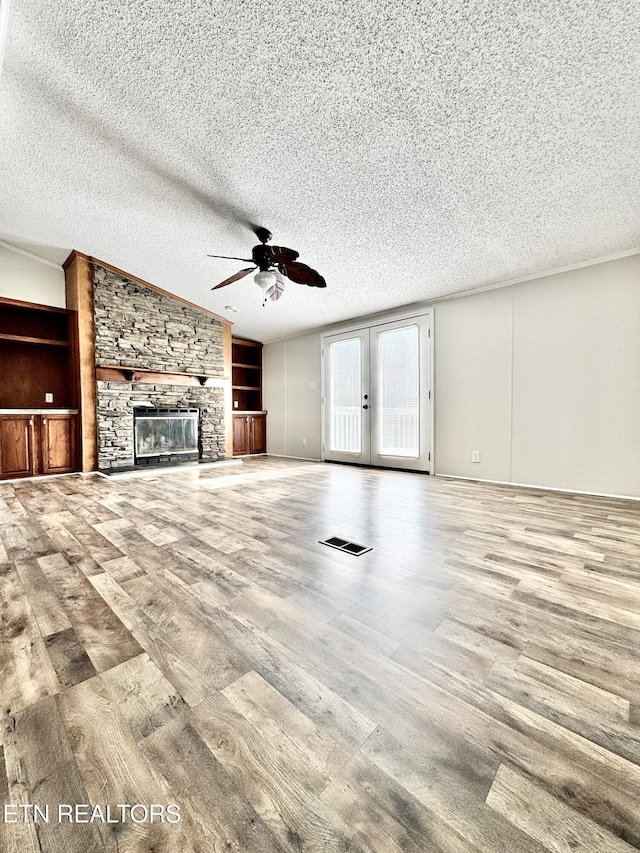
377 395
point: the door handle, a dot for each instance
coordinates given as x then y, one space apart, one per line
365 406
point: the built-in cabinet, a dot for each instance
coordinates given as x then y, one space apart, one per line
34 444
249 434
249 419
38 389
16 446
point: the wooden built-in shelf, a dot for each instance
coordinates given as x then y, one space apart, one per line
38 353
249 423
24 339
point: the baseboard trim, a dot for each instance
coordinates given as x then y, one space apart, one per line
301 458
538 488
39 477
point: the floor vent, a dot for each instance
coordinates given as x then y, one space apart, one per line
345 545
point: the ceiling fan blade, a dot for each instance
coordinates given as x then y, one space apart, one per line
231 258
277 288
302 274
281 255
235 277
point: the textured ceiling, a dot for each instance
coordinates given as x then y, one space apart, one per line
406 149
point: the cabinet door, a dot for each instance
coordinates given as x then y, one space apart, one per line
58 444
16 446
240 434
258 433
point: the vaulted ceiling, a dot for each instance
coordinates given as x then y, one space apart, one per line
406 149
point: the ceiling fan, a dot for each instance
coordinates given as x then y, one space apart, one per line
273 262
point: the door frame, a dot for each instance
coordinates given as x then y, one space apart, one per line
363 323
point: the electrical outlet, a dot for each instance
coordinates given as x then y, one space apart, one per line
312 386
475 455
235 404
304 442
48 397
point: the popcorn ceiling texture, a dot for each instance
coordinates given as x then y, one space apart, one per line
408 149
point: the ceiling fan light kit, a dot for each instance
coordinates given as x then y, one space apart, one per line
273 264
264 279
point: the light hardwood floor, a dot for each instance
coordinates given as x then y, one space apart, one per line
470 684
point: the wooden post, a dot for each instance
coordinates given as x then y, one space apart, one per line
79 293
228 403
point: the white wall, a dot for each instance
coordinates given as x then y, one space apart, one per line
472 340
28 278
274 395
576 380
289 367
542 377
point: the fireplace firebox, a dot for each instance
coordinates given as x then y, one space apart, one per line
165 436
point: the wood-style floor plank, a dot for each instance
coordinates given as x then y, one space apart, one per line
115 770
28 676
46 607
261 770
312 755
470 685
221 816
541 816
43 771
106 640
15 835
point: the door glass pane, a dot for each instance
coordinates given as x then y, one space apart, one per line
398 392
346 394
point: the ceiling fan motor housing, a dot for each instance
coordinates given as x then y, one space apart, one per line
262 257
265 257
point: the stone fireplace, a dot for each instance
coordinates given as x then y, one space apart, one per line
117 405
154 352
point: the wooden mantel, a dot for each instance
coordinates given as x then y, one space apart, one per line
120 373
79 295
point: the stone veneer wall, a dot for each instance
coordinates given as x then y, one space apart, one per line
135 326
139 327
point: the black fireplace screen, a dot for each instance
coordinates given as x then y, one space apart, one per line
165 435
